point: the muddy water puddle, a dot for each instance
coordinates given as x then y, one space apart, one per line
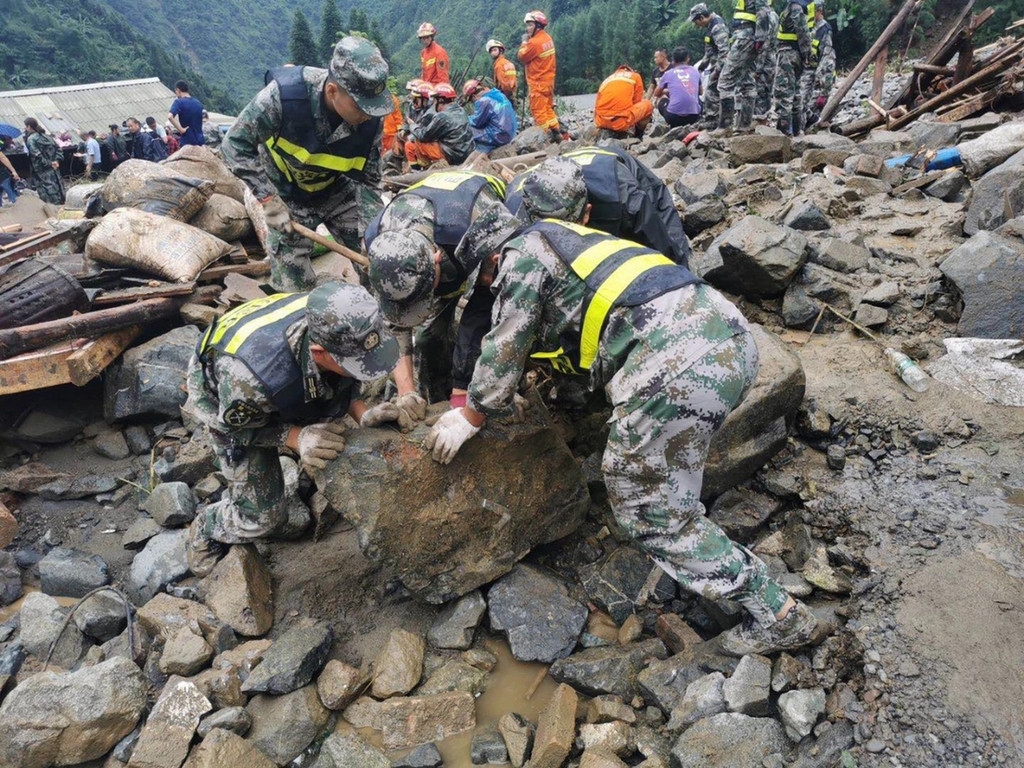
12 610
1004 513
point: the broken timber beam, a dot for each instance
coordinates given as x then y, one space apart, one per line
939 56
252 269
857 71
879 79
70 362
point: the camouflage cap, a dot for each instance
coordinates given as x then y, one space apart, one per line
700 9
485 236
555 189
402 275
360 69
346 321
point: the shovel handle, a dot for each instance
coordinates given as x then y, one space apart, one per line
330 245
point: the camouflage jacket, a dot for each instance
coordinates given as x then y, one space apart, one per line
716 42
767 26
794 21
824 56
538 300
244 147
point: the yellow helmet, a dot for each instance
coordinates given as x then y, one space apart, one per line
537 17
492 43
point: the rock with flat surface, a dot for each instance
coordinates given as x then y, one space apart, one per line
161 562
556 729
610 669
347 750
42 618
988 271
139 532
996 197
675 633
754 258
172 505
424 756
615 737
339 684
760 149
234 719
407 721
488 747
283 726
399 666
599 758
741 512
455 625
841 255
518 734
101 617
240 591
222 748
747 690
536 612
70 573
165 614
111 445
616 582
806 217
729 740
185 653
148 379
165 739
454 676
871 316
703 185
703 698
509 490
664 683
8 526
292 661
70 718
800 710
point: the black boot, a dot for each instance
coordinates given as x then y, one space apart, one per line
745 121
726 114
556 135
798 122
785 126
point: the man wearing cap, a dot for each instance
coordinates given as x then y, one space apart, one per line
433 58
751 25
270 374
418 275
816 81
716 47
625 198
441 135
794 57
308 145
674 358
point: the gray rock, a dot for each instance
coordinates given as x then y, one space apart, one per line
996 197
407 721
41 620
862 187
664 683
167 734
455 625
518 733
292 661
932 134
161 562
702 215
347 750
137 438
841 255
191 461
754 258
800 710
111 445
988 271
424 756
283 726
70 718
760 148
139 532
531 139
836 457
476 518
703 185
807 217
884 294
148 378
10 579
536 612
884 143
234 719
454 676
609 669
240 591
488 747
830 286
172 505
826 140
871 316
729 740
798 309
339 684
102 617
77 487
815 160
616 581
759 427
826 750
747 690
703 698
185 653
70 573
950 188
741 512
122 752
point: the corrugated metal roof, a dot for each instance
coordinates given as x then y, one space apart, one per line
91 106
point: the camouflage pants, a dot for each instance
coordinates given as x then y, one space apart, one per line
432 354
345 213
764 78
712 99
253 504
788 101
48 186
654 469
737 78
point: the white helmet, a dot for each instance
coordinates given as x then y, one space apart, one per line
426 30
492 43
537 17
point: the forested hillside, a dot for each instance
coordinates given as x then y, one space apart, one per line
66 42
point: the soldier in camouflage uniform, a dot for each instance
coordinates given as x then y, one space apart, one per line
419 276
264 377
794 56
750 28
716 47
816 82
308 145
674 358
764 69
44 159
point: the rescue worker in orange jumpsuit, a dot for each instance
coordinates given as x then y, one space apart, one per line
504 70
434 63
537 53
392 123
621 105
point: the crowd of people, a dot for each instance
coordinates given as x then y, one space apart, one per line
580 265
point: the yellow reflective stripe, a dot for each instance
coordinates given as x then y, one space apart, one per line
237 315
282 166
610 290
707 40
591 259
457 292
787 36
741 16
247 329
558 360
587 156
815 44
545 54
320 159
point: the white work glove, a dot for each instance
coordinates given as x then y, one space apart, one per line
320 443
385 412
447 436
414 405
277 214
522 406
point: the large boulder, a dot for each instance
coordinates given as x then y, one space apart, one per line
67 719
754 258
729 740
760 148
988 271
150 378
758 428
996 197
162 561
446 530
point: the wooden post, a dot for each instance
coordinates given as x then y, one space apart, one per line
857 71
876 84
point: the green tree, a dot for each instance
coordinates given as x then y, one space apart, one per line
301 46
331 26
358 21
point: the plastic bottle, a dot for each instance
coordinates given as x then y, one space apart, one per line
908 370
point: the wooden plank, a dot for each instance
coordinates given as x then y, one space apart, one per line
46 240
125 295
9 228
86 363
921 181
966 108
879 79
934 70
36 370
939 56
252 269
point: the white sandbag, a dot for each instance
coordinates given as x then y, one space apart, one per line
155 189
223 217
154 244
77 196
992 148
203 163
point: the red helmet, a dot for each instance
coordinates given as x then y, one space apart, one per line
426 30
472 87
422 91
445 91
537 17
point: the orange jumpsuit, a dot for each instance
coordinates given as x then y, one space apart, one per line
391 125
538 57
620 101
434 64
505 76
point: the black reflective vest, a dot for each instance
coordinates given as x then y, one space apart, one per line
617 273
708 38
742 15
817 35
256 334
309 164
792 37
